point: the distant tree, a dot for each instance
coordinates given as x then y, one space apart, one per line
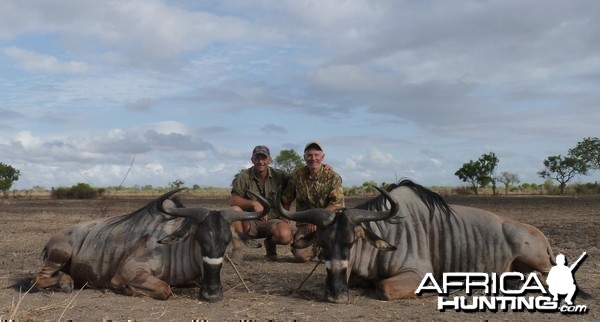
176 184
488 162
480 173
507 179
78 191
8 175
385 185
562 169
470 172
287 160
589 151
368 186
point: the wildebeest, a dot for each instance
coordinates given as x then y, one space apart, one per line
412 231
144 252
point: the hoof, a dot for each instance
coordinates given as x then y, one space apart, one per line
66 288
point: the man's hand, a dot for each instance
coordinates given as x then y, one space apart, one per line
258 207
311 228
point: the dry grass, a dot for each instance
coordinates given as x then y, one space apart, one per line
110 193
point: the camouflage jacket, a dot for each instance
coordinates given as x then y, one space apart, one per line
247 180
319 192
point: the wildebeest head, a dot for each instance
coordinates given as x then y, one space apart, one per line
213 235
337 232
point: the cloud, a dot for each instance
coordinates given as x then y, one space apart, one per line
32 61
8 114
142 104
273 129
395 88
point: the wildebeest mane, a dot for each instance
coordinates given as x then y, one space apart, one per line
431 200
145 215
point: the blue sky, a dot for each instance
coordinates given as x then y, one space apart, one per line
392 89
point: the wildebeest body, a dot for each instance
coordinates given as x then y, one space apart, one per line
145 252
466 240
425 235
437 238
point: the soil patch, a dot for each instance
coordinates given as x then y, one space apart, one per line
572 225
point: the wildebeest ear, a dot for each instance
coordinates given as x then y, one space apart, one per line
170 240
373 239
305 240
179 235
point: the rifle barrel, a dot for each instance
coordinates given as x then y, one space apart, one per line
577 261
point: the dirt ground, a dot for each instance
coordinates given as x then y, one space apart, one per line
572 225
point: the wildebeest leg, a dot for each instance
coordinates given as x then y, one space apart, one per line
50 275
401 286
59 280
533 253
141 283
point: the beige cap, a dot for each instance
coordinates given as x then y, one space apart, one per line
313 144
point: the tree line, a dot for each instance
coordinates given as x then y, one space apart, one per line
581 159
480 173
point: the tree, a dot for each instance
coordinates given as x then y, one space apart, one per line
470 172
176 184
8 175
287 160
480 173
488 162
78 191
589 151
562 169
507 179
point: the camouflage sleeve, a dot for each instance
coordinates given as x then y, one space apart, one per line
336 195
289 193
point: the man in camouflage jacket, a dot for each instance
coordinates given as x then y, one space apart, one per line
316 185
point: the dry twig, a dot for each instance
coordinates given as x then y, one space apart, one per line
16 309
71 301
237 272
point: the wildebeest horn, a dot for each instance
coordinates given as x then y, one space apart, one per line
169 208
231 215
198 214
361 215
319 217
165 196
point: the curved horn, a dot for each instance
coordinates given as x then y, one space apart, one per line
165 196
232 215
198 214
168 207
361 215
319 217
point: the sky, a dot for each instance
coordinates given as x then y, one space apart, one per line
146 92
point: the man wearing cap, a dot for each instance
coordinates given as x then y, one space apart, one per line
315 185
264 180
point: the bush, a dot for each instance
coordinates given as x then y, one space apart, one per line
78 191
463 190
586 188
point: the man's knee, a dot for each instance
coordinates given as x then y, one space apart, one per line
237 226
282 234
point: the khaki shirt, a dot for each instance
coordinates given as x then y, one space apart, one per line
319 192
247 180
